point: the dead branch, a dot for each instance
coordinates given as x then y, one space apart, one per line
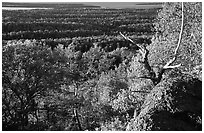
130 40
76 115
141 91
168 64
144 52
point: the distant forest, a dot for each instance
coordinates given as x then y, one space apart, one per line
78 67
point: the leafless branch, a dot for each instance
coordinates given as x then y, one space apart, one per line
145 77
141 91
130 40
168 64
76 115
144 52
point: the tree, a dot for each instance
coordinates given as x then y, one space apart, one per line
171 41
175 104
170 37
27 75
167 29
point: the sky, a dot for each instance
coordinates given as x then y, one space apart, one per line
127 4
97 0
119 4
110 4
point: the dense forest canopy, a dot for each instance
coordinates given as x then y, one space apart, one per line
102 69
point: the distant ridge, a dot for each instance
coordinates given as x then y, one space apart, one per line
127 5
47 5
149 3
110 5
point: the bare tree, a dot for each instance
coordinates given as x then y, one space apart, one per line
156 78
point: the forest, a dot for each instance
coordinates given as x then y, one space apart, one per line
100 69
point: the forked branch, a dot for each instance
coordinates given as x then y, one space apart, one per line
168 64
144 52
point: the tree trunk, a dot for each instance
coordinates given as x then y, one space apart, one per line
77 119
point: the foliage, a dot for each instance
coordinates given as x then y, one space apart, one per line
66 68
114 125
168 27
168 107
36 67
162 49
138 87
75 22
28 73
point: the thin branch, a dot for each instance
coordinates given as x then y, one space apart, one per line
178 45
141 91
127 38
168 64
144 51
145 77
76 115
170 67
181 30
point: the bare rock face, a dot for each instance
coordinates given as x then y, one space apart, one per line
172 105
